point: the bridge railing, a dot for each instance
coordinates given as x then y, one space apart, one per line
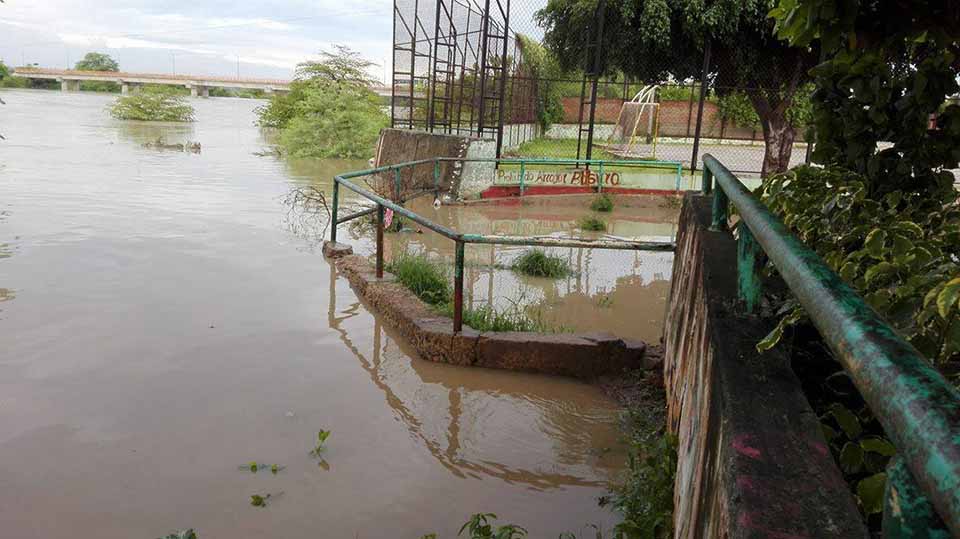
462 239
917 407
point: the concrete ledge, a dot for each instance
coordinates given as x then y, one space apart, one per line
578 355
752 461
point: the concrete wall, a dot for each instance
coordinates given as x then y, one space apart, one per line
752 458
402 145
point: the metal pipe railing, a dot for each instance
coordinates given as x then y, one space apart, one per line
461 239
918 408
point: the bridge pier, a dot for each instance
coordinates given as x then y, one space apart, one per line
69 85
124 88
199 91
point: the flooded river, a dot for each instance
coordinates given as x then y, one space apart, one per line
162 324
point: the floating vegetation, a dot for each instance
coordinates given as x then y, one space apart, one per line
592 224
537 263
602 203
182 534
254 467
259 500
321 443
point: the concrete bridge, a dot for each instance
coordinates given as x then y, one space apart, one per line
199 85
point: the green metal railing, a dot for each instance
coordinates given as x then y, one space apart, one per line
462 239
918 408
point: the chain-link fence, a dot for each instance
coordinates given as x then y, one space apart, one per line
481 68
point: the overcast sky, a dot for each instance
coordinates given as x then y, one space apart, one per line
203 37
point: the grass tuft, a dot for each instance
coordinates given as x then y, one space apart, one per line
592 224
489 319
537 263
427 279
602 203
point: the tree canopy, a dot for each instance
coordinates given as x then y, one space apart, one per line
96 61
889 68
659 40
330 110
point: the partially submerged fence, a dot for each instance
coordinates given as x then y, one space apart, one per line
462 239
918 408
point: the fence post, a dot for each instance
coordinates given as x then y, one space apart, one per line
600 177
333 210
379 241
597 60
749 263
703 97
397 179
436 177
523 176
458 289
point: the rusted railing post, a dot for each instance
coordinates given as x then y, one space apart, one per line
749 263
458 289
720 207
706 184
379 241
333 211
523 176
397 180
907 512
600 177
436 177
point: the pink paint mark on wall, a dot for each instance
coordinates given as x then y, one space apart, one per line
820 448
742 444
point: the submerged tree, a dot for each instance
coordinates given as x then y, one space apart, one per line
330 110
154 104
658 40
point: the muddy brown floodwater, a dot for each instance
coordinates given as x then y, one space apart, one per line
162 323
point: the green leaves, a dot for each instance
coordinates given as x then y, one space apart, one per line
480 526
152 105
259 500
182 534
847 421
870 492
947 298
321 443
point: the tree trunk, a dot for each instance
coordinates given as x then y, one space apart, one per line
778 137
778 134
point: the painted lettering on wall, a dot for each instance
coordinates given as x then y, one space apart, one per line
560 177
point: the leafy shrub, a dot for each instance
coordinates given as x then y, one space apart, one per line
427 279
592 224
155 105
897 252
602 203
646 497
537 263
480 527
330 110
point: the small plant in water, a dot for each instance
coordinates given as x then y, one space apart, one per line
480 526
321 441
602 203
182 534
537 263
259 500
427 279
254 467
592 224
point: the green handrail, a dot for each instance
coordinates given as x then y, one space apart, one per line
918 408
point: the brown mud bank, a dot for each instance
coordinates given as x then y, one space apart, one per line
583 355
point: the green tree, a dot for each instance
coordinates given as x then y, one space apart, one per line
153 104
330 110
96 61
657 40
888 69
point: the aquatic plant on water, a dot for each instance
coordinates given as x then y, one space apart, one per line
592 224
602 203
321 443
537 263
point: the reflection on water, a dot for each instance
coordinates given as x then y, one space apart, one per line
167 326
465 417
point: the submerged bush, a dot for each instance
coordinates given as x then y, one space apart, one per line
427 279
602 203
592 224
152 105
537 263
330 110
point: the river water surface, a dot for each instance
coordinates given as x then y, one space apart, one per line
162 324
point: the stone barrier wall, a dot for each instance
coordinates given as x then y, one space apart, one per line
585 356
752 458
